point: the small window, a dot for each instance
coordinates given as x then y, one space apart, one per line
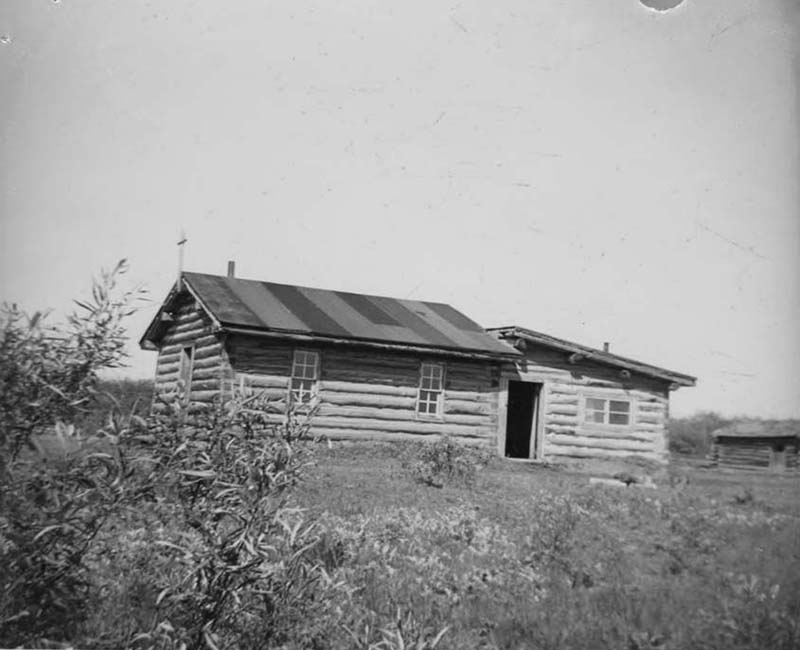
607 411
185 372
429 401
305 373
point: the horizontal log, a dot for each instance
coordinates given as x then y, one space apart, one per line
331 410
329 386
384 436
262 381
209 372
207 351
468 385
271 355
204 372
206 363
650 417
367 400
197 384
189 323
468 407
742 466
409 426
337 410
649 424
651 407
562 409
471 396
627 434
563 389
167 368
745 456
270 394
469 367
265 355
200 342
173 360
592 452
561 398
646 426
388 379
628 444
541 375
258 369
188 337
175 353
561 419
205 384
560 428
337 366
659 413
471 372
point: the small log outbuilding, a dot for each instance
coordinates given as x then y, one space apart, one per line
566 400
390 369
761 446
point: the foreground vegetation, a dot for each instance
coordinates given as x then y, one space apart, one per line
215 529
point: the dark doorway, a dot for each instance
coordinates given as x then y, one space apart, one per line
522 413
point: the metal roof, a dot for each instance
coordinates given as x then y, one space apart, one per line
267 307
767 429
594 354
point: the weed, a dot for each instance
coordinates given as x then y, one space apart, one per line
444 461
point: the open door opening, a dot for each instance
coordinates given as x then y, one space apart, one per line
522 419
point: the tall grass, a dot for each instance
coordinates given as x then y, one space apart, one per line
226 531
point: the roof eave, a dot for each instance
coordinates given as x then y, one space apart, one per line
511 355
675 379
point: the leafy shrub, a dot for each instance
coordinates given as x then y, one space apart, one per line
182 516
240 559
50 373
57 486
444 461
120 396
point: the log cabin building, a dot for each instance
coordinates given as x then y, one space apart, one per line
757 446
567 400
390 369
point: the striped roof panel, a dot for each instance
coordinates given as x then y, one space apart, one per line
268 306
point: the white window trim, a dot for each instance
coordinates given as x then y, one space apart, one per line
608 398
290 400
439 415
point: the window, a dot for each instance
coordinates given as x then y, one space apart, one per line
185 372
607 411
305 373
429 401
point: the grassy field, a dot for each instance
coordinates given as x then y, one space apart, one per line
534 557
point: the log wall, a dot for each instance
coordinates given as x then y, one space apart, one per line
191 327
366 394
756 454
565 433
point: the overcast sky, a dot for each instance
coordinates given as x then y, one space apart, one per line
598 171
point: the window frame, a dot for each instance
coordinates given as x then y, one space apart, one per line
313 392
186 372
607 411
438 414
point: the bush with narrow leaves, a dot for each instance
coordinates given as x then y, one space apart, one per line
444 461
